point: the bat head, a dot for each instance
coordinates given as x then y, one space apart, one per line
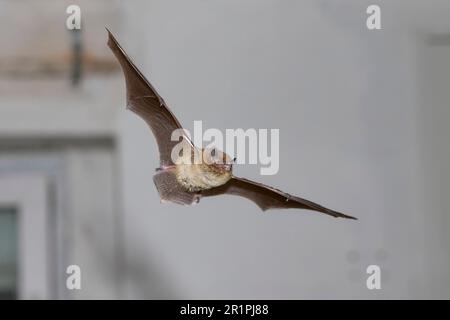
218 159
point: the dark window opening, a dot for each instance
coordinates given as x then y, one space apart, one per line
8 253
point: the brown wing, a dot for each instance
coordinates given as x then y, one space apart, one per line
267 197
143 100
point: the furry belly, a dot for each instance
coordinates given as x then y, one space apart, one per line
195 178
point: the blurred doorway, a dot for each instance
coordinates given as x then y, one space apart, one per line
59 201
23 237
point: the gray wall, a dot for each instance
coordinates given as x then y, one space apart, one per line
363 129
356 111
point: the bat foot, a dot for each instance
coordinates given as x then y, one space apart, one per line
197 198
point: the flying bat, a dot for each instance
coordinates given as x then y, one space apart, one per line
181 180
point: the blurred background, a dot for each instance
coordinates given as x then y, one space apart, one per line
363 118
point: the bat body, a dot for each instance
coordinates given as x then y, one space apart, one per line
181 180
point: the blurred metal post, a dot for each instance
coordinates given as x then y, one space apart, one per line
77 57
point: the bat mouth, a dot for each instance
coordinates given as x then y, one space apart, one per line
226 167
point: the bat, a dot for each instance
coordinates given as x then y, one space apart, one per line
181 180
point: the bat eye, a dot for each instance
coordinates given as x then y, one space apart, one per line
213 152
234 159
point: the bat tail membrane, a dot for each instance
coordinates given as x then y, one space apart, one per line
170 190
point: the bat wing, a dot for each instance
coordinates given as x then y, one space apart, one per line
267 197
143 100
